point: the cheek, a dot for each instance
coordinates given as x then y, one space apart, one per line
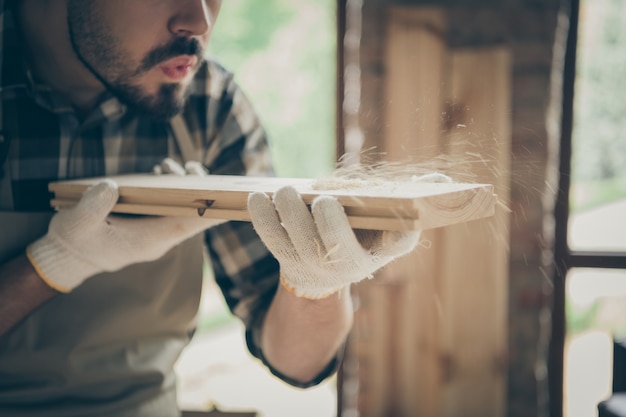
138 26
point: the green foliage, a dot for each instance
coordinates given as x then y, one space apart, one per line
600 122
245 27
217 320
595 193
283 55
580 319
601 315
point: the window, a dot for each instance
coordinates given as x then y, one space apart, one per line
590 247
283 54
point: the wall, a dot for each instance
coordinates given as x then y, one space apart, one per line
528 29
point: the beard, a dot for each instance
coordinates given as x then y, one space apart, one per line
102 53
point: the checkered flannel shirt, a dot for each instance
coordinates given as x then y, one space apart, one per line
43 140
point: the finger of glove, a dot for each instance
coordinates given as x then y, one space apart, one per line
393 244
162 227
300 226
93 207
336 232
196 168
267 224
152 236
169 166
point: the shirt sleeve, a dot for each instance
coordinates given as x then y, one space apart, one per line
246 272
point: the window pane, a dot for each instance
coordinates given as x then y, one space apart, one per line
283 54
595 313
598 193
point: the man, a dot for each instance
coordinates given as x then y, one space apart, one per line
95 308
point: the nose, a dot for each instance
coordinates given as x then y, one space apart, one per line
193 18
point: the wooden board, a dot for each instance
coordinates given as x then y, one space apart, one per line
415 69
475 285
384 205
430 329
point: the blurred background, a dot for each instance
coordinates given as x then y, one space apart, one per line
283 54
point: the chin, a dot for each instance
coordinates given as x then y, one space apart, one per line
163 103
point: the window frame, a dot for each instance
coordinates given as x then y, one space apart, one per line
566 258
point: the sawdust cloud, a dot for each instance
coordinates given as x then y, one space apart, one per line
472 161
473 165
374 169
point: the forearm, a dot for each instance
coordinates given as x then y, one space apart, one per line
300 336
21 291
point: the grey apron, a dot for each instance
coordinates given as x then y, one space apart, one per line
106 349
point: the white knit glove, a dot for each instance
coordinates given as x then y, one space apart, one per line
87 239
318 251
169 166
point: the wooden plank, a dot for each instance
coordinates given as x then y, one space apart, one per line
357 222
415 54
415 59
403 373
383 205
474 277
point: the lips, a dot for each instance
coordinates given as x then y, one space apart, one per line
178 68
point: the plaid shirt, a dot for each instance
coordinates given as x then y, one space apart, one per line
43 140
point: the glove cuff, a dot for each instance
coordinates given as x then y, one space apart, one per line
57 266
309 294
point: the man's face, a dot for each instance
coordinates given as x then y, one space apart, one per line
145 51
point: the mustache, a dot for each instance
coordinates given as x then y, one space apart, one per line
179 46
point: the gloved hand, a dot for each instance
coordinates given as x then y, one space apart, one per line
169 166
318 251
87 239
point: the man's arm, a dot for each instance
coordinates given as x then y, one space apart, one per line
320 256
21 291
83 241
301 336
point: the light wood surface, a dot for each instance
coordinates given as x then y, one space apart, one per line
397 324
381 205
430 334
474 280
416 57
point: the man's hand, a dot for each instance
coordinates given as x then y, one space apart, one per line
169 166
87 239
318 251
